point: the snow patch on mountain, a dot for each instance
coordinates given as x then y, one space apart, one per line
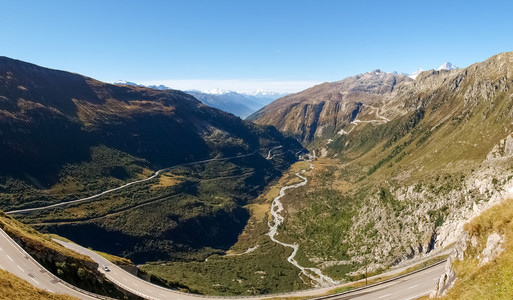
124 82
416 73
445 66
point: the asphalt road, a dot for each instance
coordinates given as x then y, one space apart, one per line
128 281
412 286
156 174
14 260
409 287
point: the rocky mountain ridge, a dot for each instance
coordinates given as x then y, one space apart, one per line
326 109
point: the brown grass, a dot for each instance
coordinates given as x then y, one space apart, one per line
31 236
168 179
12 287
115 259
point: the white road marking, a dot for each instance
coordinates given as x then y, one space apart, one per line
413 286
34 280
1 249
419 295
50 291
434 279
10 258
387 295
20 268
124 279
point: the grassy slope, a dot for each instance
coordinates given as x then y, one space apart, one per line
265 270
12 287
20 231
205 198
493 280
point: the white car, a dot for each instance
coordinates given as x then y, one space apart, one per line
105 268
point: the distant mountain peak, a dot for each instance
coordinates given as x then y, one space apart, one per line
447 66
217 92
416 73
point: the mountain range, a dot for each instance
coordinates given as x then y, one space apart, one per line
239 104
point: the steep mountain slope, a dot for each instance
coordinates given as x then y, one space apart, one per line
65 136
325 109
413 165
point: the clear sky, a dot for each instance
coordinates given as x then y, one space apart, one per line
244 45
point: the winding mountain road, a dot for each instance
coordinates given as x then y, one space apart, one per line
16 261
314 274
156 174
355 122
409 286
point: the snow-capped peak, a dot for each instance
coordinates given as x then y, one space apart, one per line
416 73
126 82
216 92
447 66
264 93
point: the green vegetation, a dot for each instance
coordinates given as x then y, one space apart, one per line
395 183
263 271
210 193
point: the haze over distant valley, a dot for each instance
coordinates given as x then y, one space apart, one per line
239 104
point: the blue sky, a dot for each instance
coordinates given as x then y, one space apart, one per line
244 45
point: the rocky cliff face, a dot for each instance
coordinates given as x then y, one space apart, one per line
481 254
325 109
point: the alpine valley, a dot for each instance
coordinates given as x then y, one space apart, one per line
325 186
